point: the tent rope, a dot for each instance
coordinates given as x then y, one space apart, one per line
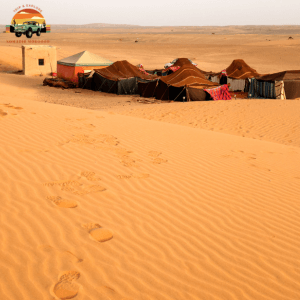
179 94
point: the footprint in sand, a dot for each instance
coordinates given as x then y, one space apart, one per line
97 233
91 176
3 113
108 139
158 161
122 152
88 190
66 287
11 106
125 158
135 175
85 139
124 176
90 125
58 201
128 161
75 187
82 139
154 153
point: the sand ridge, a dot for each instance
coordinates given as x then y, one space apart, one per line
191 229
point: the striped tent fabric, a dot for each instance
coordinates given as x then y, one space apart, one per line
269 90
261 89
236 84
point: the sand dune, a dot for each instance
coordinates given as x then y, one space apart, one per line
180 213
263 119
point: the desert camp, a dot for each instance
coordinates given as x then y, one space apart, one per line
181 80
150 151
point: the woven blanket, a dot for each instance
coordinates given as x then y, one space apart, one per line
174 69
219 93
143 71
224 72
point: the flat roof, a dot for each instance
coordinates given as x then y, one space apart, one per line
37 46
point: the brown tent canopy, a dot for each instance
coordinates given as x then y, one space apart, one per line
120 78
121 70
285 75
185 61
173 86
166 71
240 70
178 63
182 61
187 75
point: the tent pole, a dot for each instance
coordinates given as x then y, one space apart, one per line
153 90
164 93
111 86
179 94
187 95
101 84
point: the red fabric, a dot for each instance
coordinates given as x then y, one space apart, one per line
174 68
219 93
143 70
224 72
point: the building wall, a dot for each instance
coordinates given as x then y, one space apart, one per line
31 56
70 73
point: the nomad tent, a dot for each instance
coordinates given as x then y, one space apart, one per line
236 76
185 61
119 78
179 62
176 85
69 67
281 85
173 67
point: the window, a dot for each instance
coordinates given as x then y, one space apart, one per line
41 62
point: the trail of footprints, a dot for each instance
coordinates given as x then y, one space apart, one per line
57 200
7 111
67 286
76 187
111 144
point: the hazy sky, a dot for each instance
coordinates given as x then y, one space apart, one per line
163 12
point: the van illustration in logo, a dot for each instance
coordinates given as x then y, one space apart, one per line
28 22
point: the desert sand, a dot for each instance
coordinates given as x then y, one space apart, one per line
104 197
